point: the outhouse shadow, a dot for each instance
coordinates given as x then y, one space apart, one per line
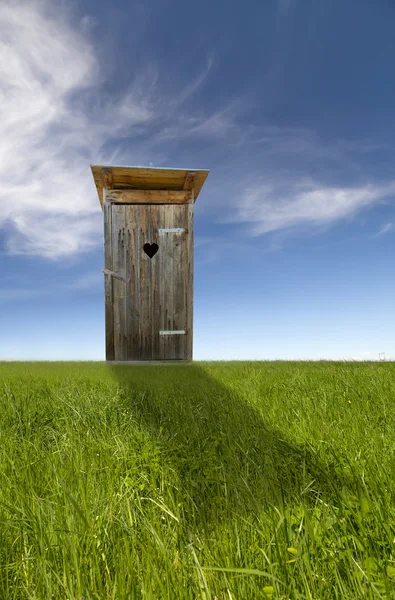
225 456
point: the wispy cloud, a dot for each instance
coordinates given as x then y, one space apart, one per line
41 137
271 207
386 228
52 126
218 125
56 117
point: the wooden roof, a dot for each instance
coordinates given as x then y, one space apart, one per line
147 178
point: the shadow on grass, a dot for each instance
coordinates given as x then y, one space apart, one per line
224 455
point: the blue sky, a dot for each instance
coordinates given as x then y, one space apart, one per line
290 105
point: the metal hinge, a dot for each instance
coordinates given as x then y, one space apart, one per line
172 332
173 230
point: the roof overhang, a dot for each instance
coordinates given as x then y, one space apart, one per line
147 178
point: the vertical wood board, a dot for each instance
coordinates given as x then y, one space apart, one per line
108 281
119 286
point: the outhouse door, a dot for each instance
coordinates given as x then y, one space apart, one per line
149 281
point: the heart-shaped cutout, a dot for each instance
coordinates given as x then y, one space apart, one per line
150 249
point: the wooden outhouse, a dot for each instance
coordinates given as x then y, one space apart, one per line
148 260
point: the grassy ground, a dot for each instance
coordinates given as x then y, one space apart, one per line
201 481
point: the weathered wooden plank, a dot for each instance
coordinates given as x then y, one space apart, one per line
155 281
189 278
141 183
133 270
128 297
108 297
186 284
141 273
115 283
150 196
166 274
179 273
119 286
145 279
171 284
173 243
173 246
162 284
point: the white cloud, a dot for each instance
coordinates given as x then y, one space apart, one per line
50 132
55 119
271 207
217 125
54 235
45 195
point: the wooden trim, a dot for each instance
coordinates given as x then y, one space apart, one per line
150 196
108 283
189 283
107 178
190 182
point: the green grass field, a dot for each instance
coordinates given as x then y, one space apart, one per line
198 481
